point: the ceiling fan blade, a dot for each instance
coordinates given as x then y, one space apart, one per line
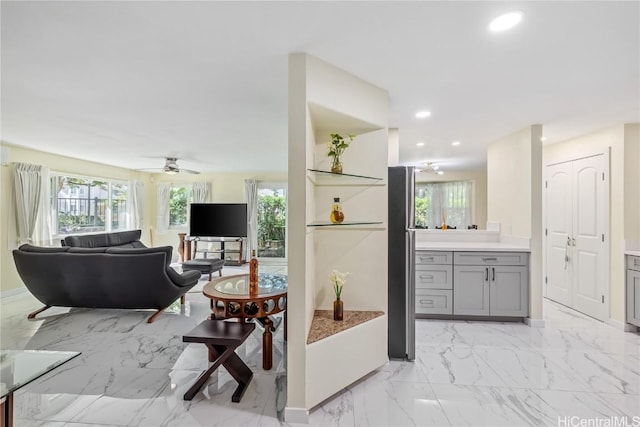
189 171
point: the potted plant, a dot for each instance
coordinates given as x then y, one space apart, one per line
336 147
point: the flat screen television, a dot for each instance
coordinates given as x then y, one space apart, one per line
218 220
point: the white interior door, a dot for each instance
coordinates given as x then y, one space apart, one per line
559 227
590 227
577 248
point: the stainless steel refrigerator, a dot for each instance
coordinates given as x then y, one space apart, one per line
402 339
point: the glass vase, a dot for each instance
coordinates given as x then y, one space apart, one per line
338 310
336 216
336 165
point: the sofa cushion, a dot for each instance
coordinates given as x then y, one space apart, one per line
86 250
122 238
30 248
91 241
168 250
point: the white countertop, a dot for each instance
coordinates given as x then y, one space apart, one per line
470 246
634 253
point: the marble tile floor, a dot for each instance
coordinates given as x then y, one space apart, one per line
466 373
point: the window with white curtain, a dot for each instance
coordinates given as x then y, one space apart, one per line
180 196
447 203
88 205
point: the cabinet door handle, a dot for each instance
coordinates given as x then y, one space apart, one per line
489 259
493 274
486 274
429 258
426 301
426 276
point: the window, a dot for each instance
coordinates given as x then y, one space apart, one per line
272 220
179 199
443 202
88 205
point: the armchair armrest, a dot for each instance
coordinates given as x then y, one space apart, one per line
185 279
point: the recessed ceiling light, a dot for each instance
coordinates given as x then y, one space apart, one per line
505 21
543 138
435 168
455 143
423 114
420 144
440 173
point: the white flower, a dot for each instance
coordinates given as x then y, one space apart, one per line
337 279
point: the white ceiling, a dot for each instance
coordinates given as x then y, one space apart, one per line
128 83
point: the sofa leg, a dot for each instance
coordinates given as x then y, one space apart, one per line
32 315
182 299
155 315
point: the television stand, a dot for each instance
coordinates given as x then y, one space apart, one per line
190 251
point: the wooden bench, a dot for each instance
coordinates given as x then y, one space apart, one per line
222 338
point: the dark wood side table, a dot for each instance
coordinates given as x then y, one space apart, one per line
222 338
230 299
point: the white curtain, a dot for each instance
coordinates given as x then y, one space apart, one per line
27 189
137 203
201 192
162 221
448 202
251 197
43 233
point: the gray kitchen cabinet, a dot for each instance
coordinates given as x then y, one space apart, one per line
471 290
434 301
434 282
633 290
491 284
508 290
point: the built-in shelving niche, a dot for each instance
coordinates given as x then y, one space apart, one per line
323 325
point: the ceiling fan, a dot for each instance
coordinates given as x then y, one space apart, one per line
171 167
429 167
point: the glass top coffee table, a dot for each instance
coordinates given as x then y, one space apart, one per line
230 299
19 367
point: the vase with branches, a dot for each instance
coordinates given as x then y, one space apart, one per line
336 147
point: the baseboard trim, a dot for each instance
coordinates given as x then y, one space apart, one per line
622 326
13 292
296 415
534 323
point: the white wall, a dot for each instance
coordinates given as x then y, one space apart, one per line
624 173
632 183
514 198
479 179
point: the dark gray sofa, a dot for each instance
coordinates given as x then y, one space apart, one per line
121 239
120 276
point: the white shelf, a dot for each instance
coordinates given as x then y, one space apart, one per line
348 225
325 178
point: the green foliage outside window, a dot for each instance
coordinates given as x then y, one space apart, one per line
421 207
272 210
178 201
